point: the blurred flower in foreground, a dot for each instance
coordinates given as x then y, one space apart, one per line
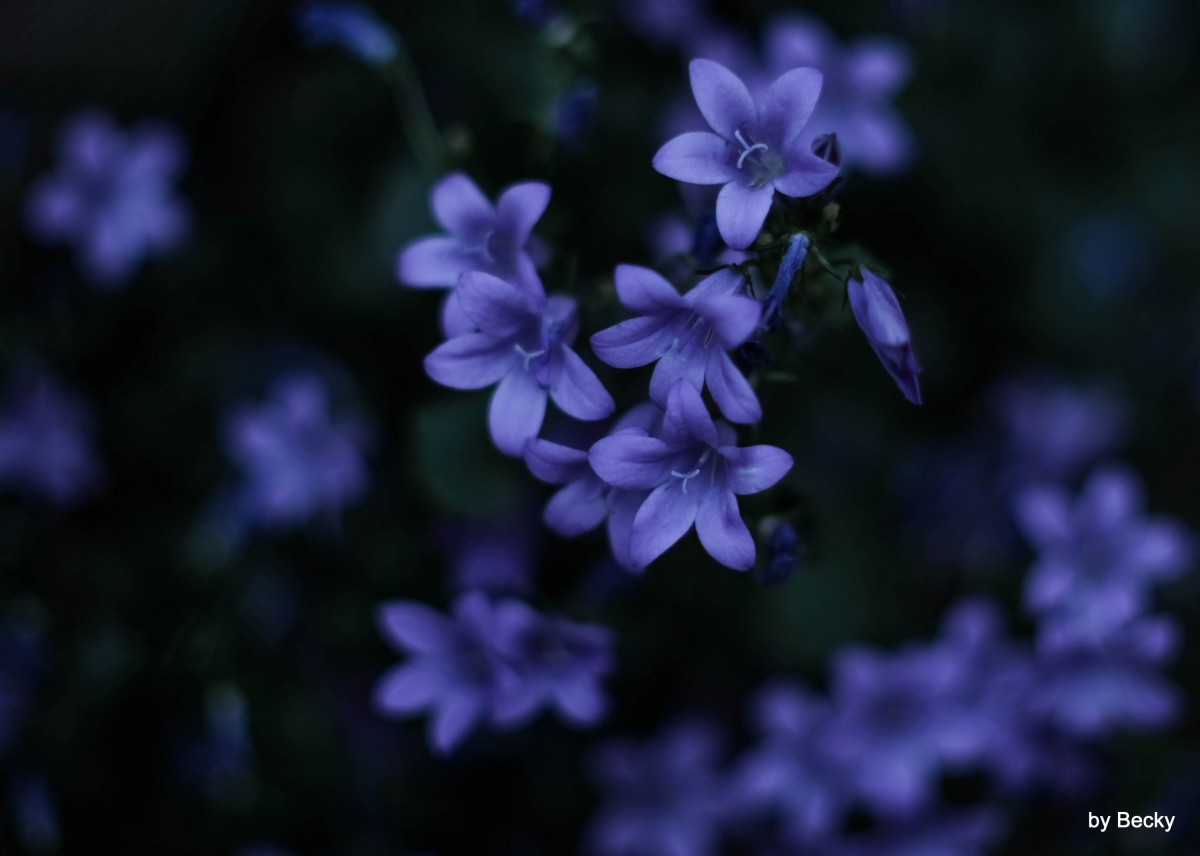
482 237
497 663
496 556
754 148
46 450
661 796
353 27
879 315
111 196
297 462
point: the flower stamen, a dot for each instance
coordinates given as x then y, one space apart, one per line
528 355
747 149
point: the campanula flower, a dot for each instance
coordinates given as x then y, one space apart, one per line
111 196
689 336
296 459
753 149
353 27
46 448
861 80
481 237
661 796
694 473
523 342
495 556
1099 555
878 313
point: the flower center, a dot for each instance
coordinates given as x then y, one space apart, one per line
695 471
759 162
483 250
747 148
528 355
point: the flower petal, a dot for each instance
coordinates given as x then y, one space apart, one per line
520 207
408 688
731 390
497 307
623 507
806 173
471 361
722 531
412 626
1043 515
645 291
632 343
577 508
665 517
631 461
516 412
553 462
754 468
459 205
580 701
687 420
685 361
576 389
733 317
741 212
454 720
789 103
432 262
721 97
697 157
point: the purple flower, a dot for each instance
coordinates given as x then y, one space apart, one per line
456 669
46 450
496 556
860 82
559 664
694 473
524 343
585 500
879 315
111 196
789 773
661 796
1088 687
1099 555
753 150
492 239
296 461
688 335
351 26
497 663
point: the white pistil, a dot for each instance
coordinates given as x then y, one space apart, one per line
687 477
528 355
747 149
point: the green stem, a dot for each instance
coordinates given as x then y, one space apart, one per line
428 145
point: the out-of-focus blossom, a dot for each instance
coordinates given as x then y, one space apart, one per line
46 449
495 556
496 663
688 336
524 343
782 554
1098 556
753 149
861 80
559 664
482 237
666 22
297 461
575 111
354 27
694 473
662 797
111 196
222 760
21 661
878 313
1089 688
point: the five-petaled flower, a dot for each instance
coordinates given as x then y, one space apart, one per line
523 342
753 150
694 473
689 335
492 239
878 313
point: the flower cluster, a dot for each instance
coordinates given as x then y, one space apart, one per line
490 662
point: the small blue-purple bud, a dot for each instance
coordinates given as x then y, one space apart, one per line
882 320
793 261
828 148
782 555
575 112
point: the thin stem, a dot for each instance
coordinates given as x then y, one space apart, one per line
428 145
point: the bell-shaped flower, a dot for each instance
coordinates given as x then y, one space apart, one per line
753 149
689 336
879 315
694 473
523 343
482 237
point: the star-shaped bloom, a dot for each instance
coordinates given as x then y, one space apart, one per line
753 149
1099 555
523 342
878 313
694 473
689 336
482 237
111 196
